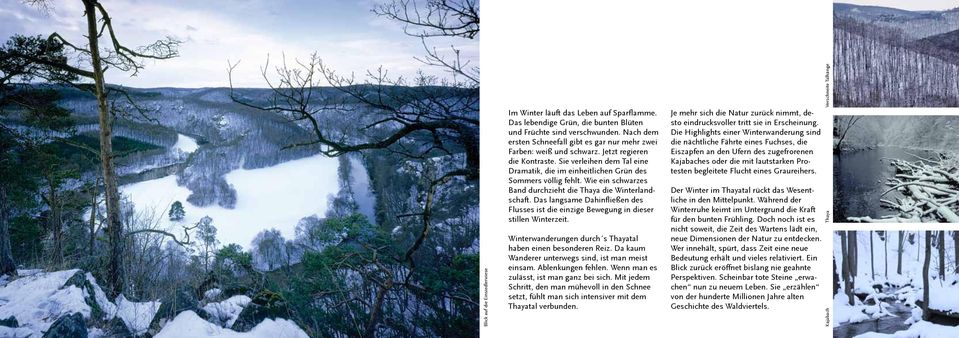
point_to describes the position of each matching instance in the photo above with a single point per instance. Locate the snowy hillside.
(72, 301)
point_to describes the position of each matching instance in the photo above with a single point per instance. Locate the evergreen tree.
(176, 211)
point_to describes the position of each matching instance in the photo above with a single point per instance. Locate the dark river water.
(888, 324)
(859, 178)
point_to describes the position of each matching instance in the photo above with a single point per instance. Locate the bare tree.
(846, 275)
(842, 125)
(113, 55)
(955, 240)
(431, 18)
(942, 255)
(885, 250)
(872, 260)
(902, 242)
(854, 253)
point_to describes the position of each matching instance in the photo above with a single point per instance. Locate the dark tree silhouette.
(115, 55)
(176, 211)
(925, 275)
(847, 276)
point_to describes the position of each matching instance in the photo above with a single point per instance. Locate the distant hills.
(890, 57)
(916, 24)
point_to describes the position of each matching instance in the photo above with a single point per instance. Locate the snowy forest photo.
(891, 57)
(895, 283)
(895, 169)
(265, 169)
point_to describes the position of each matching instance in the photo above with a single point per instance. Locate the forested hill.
(888, 57)
(916, 24)
(939, 133)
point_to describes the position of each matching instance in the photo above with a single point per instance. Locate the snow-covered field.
(274, 197)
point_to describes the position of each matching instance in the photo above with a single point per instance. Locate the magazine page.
(667, 168)
(239, 168)
(312, 168)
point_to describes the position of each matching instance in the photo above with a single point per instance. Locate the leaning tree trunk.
(925, 276)
(115, 273)
(846, 276)
(7, 266)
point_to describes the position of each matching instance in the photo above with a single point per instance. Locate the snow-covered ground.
(39, 299)
(273, 197)
(185, 144)
(189, 324)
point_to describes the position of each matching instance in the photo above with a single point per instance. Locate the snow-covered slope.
(273, 197)
(189, 324)
(41, 298)
(38, 300)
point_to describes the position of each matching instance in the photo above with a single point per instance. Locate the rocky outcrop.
(69, 326)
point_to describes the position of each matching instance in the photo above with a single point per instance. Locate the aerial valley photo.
(239, 168)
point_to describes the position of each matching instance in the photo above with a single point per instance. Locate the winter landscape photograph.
(896, 53)
(244, 168)
(895, 283)
(896, 169)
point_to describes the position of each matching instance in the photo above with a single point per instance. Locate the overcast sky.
(344, 33)
(913, 5)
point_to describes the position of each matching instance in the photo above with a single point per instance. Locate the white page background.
(652, 55)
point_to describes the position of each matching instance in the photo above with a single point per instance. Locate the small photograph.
(895, 283)
(896, 53)
(895, 169)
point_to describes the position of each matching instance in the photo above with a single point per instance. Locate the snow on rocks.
(189, 324)
(922, 329)
(844, 313)
(16, 332)
(38, 300)
(136, 315)
(226, 312)
(212, 294)
(41, 298)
